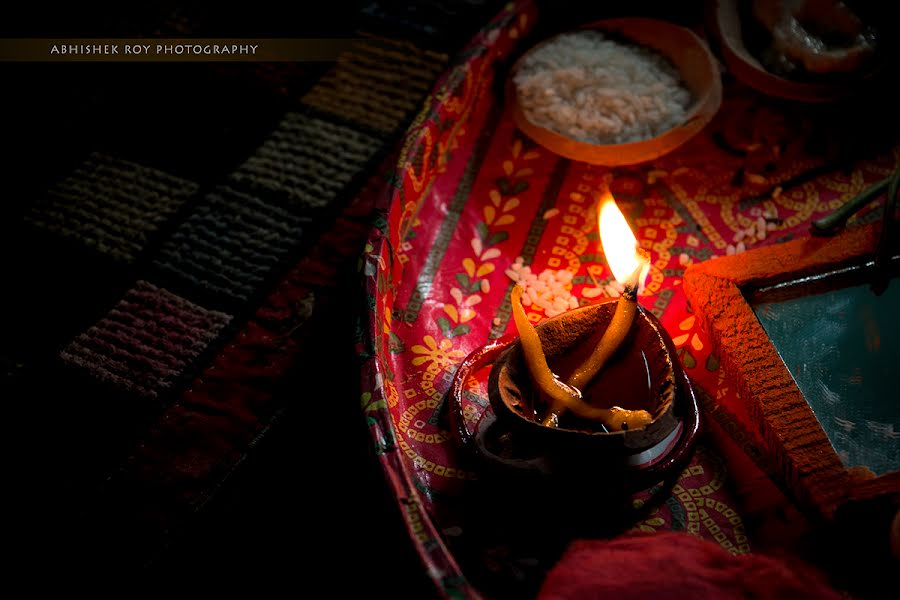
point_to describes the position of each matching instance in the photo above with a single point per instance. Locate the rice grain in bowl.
(616, 92)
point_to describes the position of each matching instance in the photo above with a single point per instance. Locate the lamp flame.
(619, 244)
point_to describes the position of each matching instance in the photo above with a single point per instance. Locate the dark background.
(309, 507)
(309, 504)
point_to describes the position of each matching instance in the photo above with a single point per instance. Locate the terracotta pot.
(511, 437)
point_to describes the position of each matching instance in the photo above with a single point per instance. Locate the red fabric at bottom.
(677, 566)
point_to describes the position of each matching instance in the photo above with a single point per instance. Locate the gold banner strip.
(172, 50)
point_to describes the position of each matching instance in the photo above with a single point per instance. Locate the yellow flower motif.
(457, 295)
(393, 396)
(386, 321)
(484, 269)
(451, 312)
(686, 325)
(466, 314)
(480, 253)
(443, 354)
(651, 523)
(469, 266)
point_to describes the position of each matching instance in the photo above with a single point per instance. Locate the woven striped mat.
(171, 240)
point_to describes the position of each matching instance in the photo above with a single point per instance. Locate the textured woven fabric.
(112, 205)
(377, 83)
(177, 236)
(147, 341)
(230, 242)
(306, 162)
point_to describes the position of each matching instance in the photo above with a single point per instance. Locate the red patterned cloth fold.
(677, 566)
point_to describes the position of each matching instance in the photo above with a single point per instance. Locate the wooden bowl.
(690, 56)
(725, 22)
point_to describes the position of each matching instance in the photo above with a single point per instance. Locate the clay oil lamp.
(593, 392)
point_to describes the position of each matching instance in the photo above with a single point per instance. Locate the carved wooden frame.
(719, 292)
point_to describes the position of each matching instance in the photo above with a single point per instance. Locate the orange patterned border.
(789, 428)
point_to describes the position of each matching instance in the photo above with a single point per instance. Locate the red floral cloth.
(471, 194)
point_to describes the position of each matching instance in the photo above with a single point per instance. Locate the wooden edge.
(793, 259)
(777, 406)
(788, 425)
(886, 485)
